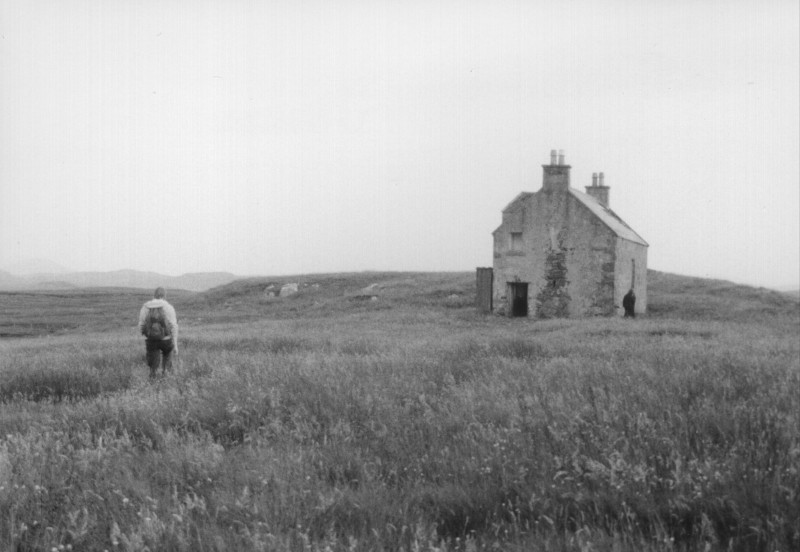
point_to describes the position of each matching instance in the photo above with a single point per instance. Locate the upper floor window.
(515, 241)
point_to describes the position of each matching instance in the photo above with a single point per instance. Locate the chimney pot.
(598, 189)
(556, 174)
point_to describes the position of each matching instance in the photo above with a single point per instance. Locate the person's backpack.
(155, 324)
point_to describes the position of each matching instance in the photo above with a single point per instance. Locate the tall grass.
(408, 430)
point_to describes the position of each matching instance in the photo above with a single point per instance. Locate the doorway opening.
(518, 297)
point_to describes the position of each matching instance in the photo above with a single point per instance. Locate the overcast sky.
(285, 137)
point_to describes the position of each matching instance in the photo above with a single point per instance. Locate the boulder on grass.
(288, 289)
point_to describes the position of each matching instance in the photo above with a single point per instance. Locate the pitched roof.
(606, 215)
(609, 217)
(520, 197)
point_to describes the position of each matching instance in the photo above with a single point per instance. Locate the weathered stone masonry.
(574, 255)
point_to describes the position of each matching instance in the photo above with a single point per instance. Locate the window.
(516, 242)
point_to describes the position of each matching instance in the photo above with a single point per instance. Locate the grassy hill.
(71, 311)
(670, 296)
(380, 411)
(41, 312)
(325, 295)
(689, 298)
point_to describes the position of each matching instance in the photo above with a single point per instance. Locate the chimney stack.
(556, 174)
(598, 189)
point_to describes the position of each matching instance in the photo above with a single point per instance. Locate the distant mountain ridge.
(198, 281)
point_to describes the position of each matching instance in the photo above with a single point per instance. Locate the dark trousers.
(629, 311)
(159, 352)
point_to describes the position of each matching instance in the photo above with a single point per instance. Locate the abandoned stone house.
(560, 252)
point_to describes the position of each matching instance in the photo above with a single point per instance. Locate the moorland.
(380, 411)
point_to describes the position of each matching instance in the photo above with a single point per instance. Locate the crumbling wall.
(553, 300)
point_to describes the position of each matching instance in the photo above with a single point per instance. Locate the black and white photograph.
(400, 275)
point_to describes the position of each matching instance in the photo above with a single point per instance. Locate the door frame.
(517, 293)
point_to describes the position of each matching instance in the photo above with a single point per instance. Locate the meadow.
(332, 421)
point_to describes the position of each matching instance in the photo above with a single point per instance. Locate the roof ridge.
(603, 212)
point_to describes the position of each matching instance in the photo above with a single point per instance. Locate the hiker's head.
(160, 293)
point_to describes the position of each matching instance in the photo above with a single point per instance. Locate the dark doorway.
(518, 293)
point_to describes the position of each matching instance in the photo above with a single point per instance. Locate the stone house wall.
(567, 256)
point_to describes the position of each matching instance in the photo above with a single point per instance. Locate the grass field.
(330, 420)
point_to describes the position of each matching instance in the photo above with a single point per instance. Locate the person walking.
(159, 324)
(629, 304)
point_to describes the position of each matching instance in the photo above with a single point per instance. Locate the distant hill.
(118, 279)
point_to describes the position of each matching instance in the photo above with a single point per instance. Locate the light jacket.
(169, 314)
